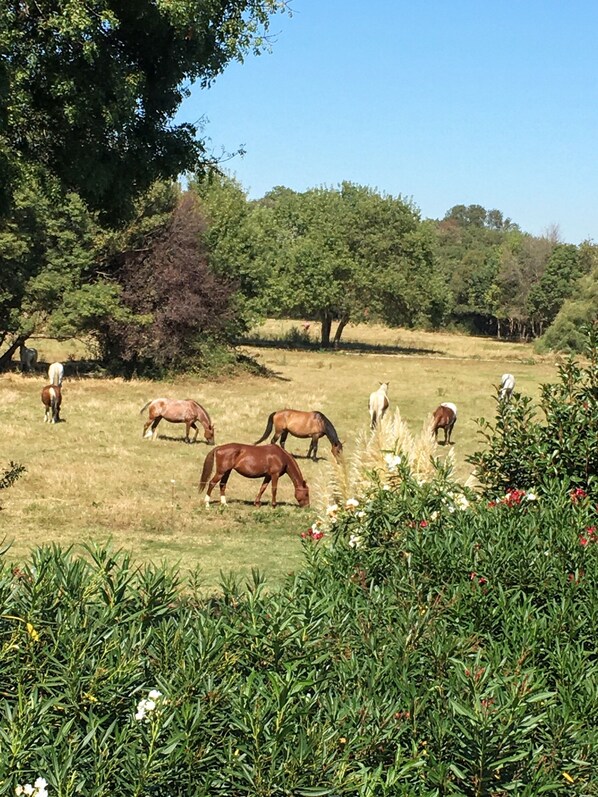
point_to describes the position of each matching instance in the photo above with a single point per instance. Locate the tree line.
(97, 238)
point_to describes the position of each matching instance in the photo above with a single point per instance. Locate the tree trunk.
(326, 327)
(339, 331)
(7, 356)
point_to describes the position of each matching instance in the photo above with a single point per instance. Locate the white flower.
(386, 487)
(531, 497)
(332, 509)
(351, 503)
(154, 694)
(28, 789)
(355, 540)
(19, 789)
(360, 514)
(392, 461)
(451, 509)
(140, 714)
(462, 502)
(433, 515)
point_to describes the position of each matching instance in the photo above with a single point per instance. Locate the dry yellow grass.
(93, 478)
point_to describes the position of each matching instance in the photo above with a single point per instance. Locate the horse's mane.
(329, 429)
(203, 409)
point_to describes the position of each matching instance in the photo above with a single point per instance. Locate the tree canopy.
(89, 89)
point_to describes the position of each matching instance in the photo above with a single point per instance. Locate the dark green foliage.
(526, 445)
(92, 88)
(427, 648)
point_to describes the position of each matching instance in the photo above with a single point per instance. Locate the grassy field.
(93, 478)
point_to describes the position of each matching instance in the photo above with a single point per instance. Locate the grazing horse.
(56, 374)
(445, 417)
(270, 462)
(185, 411)
(302, 424)
(28, 358)
(52, 399)
(507, 385)
(378, 404)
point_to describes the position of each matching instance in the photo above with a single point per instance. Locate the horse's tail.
(269, 426)
(145, 406)
(207, 470)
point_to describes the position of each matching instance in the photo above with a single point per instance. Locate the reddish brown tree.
(180, 305)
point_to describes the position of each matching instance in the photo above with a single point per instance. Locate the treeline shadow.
(351, 346)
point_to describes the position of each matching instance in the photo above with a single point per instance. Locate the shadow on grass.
(351, 346)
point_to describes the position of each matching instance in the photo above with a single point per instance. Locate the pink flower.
(578, 494)
(423, 524)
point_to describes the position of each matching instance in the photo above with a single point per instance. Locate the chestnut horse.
(270, 462)
(445, 417)
(302, 424)
(185, 411)
(52, 399)
(378, 404)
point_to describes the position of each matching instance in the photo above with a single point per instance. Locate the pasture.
(92, 478)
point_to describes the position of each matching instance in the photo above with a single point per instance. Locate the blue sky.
(441, 102)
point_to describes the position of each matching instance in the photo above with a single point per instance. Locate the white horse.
(378, 404)
(507, 384)
(28, 358)
(56, 374)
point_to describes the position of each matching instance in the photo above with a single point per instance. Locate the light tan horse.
(185, 411)
(270, 462)
(56, 374)
(378, 404)
(302, 424)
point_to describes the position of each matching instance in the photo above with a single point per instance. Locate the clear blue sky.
(442, 102)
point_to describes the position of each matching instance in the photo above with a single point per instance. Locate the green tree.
(89, 88)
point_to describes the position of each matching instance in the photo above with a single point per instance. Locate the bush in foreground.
(432, 645)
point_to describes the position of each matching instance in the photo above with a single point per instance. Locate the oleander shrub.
(530, 444)
(433, 644)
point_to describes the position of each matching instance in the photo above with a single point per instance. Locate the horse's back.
(300, 423)
(56, 373)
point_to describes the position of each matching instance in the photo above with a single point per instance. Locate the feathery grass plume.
(350, 477)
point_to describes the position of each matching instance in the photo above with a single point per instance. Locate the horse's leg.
(283, 437)
(223, 483)
(211, 484)
(155, 423)
(194, 426)
(265, 483)
(314, 446)
(274, 486)
(146, 426)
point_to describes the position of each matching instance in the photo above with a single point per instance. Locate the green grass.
(93, 478)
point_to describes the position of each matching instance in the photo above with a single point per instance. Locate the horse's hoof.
(223, 500)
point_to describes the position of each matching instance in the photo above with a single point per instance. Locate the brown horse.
(178, 411)
(52, 399)
(270, 462)
(302, 424)
(445, 417)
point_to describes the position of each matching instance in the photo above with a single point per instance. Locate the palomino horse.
(445, 418)
(56, 374)
(378, 404)
(52, 399)
(270, 462)
(185, 411)
(28, 357)
(302, 424)
(507, 385)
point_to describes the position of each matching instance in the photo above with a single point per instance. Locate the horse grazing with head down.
(445, 417)
(302, 424)
(52, 399)
(185, 411)
(28, 357)
(268, 462)
(56, 374)
(507, 385)
(378, 404)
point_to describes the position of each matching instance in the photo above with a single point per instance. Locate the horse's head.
(337, 449)
(209, 434)
(302, 494)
